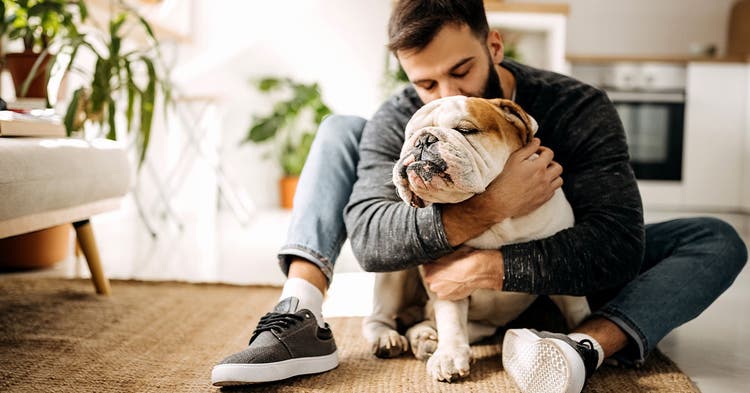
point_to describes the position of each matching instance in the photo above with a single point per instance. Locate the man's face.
(455, 62)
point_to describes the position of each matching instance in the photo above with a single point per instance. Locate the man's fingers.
(557, 183)
(527, 151)
(554, 170)
(545, 155)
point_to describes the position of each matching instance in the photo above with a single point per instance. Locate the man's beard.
(493, 89)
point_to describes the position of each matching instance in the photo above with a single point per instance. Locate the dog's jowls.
(454, 148)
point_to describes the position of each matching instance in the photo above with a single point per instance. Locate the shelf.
(680, 59)
(551, 8)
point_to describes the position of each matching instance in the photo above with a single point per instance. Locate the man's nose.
(449, 89)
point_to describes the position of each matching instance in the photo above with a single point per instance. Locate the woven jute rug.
(57, 336)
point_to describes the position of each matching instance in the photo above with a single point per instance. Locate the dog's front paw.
(449, 364)
(390, 344)
(423, 340)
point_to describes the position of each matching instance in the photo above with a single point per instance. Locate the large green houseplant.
(121, 84)
(38, 24)
(290, 127)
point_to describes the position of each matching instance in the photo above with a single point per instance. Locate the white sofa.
(48, 182)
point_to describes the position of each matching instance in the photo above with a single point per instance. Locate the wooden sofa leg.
(86, 240)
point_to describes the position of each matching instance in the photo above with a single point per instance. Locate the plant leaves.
(264, 128)
(268, 84)
(148, 99)
(283, 124)
(2, 17)
(115, 24)
(101, 88)
(111, 113)
(148, 28)
(132, 92)
(82, 10)
(70, 114)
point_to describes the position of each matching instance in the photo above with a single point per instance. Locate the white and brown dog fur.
(454, 148)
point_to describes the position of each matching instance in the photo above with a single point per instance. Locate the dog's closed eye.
(466, 131)
(466, 127)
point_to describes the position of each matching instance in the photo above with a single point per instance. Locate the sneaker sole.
(540, 365)
(231, 374)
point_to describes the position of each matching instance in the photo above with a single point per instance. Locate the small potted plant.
(37, 23)
(291, 126)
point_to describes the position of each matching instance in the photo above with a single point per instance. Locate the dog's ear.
(518, 117)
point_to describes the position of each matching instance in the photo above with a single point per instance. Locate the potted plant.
(291, 126)
(122, 83)
(37, 23)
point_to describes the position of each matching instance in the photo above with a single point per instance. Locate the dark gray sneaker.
(287, 342)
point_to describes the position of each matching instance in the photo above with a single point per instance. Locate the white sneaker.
(543, 362)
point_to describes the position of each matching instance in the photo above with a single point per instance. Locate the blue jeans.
(688, 263)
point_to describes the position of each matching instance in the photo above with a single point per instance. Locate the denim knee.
(726, 242)
(340, 131)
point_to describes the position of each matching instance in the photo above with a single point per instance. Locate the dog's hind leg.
(574, 308)
(480, 331)
(423, 339)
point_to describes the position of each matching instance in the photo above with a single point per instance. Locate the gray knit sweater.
(578, 122)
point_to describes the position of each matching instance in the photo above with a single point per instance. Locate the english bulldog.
(454, 148)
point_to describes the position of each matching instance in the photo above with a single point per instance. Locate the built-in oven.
(650, 99)
(654, 124)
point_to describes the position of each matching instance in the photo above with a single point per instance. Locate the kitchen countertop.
(680, 59)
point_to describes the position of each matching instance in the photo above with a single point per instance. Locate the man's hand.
(529, 179)
(456, 276)
(526, 183)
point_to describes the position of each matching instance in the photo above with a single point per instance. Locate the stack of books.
(22, 119)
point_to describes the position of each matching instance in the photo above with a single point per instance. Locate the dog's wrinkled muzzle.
(423, 168)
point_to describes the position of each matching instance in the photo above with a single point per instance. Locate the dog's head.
(456, 146)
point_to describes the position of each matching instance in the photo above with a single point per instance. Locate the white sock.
(581, 336)
(309, 297)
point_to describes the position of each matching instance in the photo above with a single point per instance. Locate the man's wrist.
(482, 206)
(469, 219)
(490, 269)
(499, 264)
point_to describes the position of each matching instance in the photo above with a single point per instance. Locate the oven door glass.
(654, 132)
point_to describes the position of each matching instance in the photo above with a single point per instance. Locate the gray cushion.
(38, 175)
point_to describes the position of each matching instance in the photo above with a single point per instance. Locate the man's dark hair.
(414, 23)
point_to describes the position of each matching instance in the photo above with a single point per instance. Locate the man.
(638, 293)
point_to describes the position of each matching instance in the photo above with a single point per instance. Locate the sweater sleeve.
(605, 247)
(387, 234)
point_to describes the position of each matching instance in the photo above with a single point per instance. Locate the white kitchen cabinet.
(715, 169)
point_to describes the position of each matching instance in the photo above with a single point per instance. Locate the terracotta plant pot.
(287, 187)
(20, 65)
(35, 250)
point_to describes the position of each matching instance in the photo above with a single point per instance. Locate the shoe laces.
(275, 322)
(587, 342)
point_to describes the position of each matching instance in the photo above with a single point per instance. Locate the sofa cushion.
(39, 175)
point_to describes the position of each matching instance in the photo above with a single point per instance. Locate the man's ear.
(517, 116)
(495, 46)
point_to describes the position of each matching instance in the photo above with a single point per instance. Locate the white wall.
(338, 43)
(643, 27)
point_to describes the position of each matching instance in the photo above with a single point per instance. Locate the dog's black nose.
(426, 140)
